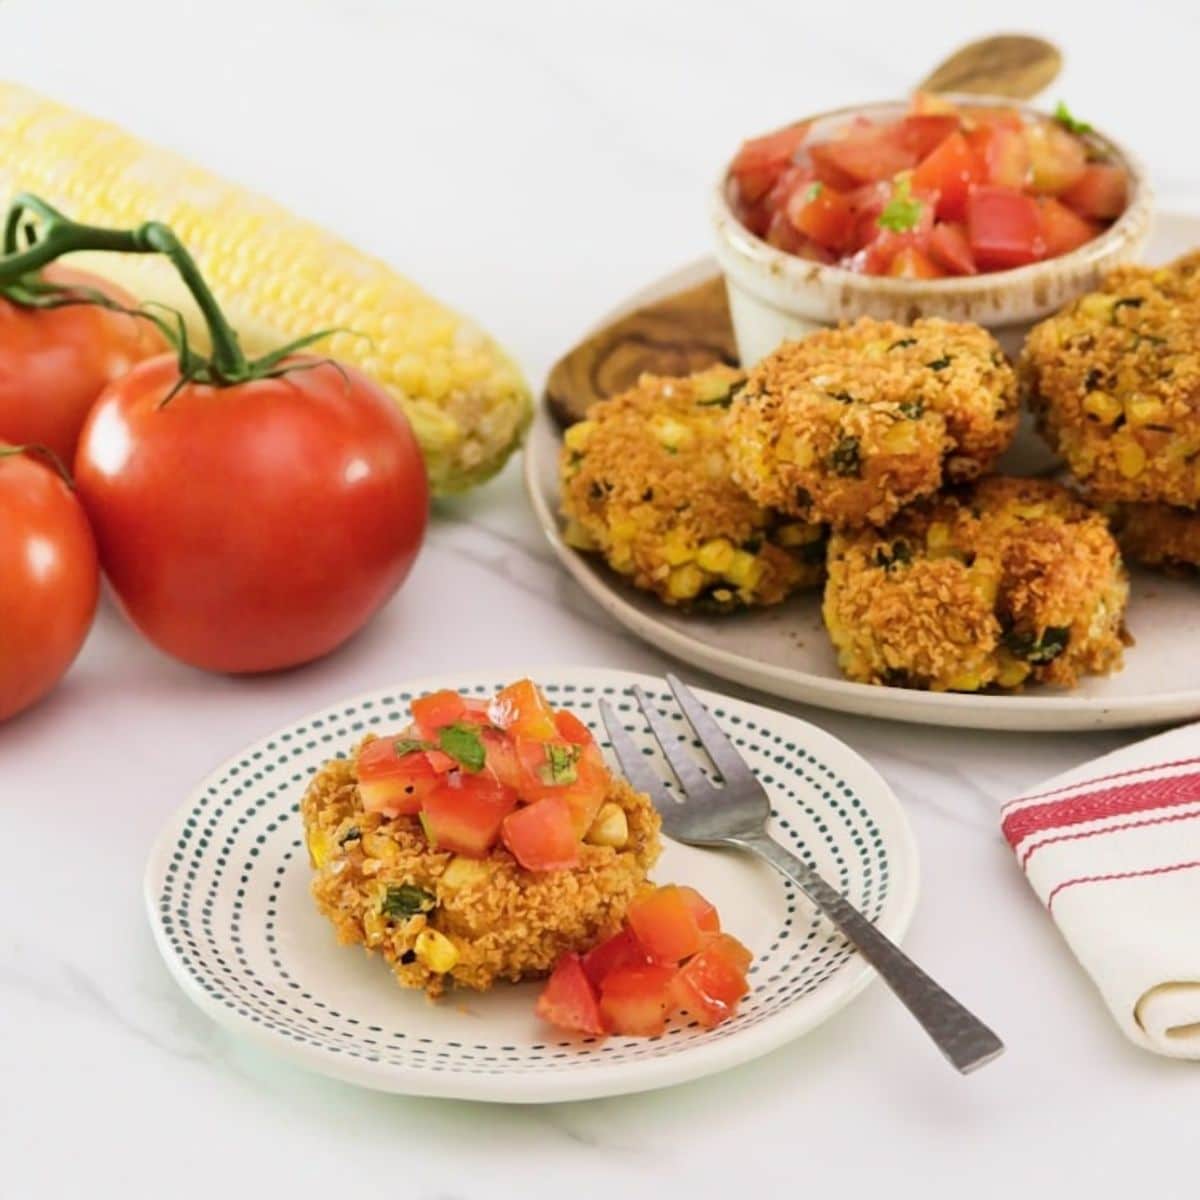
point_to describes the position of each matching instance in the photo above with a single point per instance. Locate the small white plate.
(785, 651)
(227, 893)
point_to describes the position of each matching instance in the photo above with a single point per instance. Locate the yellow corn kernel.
(461, 872)
(377, 845)
(876, 348)
(745, 570)
(685, 582)
(1012, 672)
(902, 437)
(575, 535)
(986, 582)
(319, 848)
(670, 433)
(937, 537)
(1096, 305)
(798, 533)
(795, 450)
(577, 435)
(715, 555)
(1131, 458)
(435, 951)
(968, 681)
(610, 828)
(1102, 406)
(677, 549)
(1144, 410)
(623, 529)
(374, 926)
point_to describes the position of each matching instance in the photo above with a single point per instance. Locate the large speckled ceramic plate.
(227, 893)
(786, 652)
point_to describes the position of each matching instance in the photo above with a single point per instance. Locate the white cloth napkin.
(1113, 851)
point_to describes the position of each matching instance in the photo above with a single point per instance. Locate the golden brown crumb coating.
(1157, 535)
(646, 483)
(503, 922)
(849, 425)
(1114, 380)
(1006, 582)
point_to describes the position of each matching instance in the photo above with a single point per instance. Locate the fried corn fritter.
(646, 483)
(1114, 380)
(440, 918)
(849, 425)
(1157, 535)
(1003, 583)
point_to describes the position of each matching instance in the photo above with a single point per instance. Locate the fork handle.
(964, 1039)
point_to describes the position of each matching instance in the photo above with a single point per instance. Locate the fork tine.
(687, 770)
(633, 762)
(717, 745)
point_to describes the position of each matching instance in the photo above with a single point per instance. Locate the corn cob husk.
(277, 278)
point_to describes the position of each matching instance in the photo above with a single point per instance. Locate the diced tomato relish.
(938, 191)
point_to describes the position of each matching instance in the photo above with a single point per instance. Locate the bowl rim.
(757, 254)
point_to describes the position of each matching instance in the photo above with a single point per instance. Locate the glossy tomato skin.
(55, 362)
(253, 527)
(49, 581)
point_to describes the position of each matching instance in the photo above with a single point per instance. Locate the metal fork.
(735, 814)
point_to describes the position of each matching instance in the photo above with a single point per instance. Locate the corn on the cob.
(277, 277)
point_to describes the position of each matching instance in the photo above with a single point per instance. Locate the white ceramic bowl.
(774, 296)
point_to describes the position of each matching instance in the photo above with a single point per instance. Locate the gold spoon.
(1015, 65)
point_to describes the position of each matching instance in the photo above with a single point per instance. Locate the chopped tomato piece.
(705, 913)
(396, 783)
(949, 248)
(822, 214)
(1100, 191)
(864, 155)
(710, 984)
(911, 263)
(621, 950)
(931, 102)
(1004, 228)
(437, 710)
(921, 133)
(634, 1000)
(992, 117)
(665, 924)
(949, 170)
(569, 1000)
(572, 729)
(541, 836)
(1056, 158)
(521, 710)
(1005, 155)
(729, 947)
(1064, 230)
(760, 160)
(465, 813)
(783, 235)
(502, 760)
(826, 170)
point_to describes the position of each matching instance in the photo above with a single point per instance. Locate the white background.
(532, 164)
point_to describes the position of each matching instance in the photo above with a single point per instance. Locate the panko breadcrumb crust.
(505, 922)
(1114, 380)
(646, 484)
(849, 425)
(1157, 535)
(1010, 581)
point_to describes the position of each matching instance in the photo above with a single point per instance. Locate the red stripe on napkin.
(1070, 787)
(1082, 879)
(1107, 802)
(1087, 833)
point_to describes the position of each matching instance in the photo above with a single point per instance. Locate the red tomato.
(827, 171)
(49, 581)
(502, 759)
(521, 710)
(709, 985)
(911, 263)
(995, 118)
(949, 170)
(665, 924)
(621, 950)
(931, 102)
(437, 710)
(922, 133)
(55, 362)
(582, 781)
(569, 1001)
(1004, 153)
(705, 913)
(949, 248)
(1056, 158)
(572, 729)
(1101, 191)
(783, 235)
(1004, 228)
(465, 813)
(1062, 229)
(760, 160)
(863, 155)
(394, 783)
(252, 527)
(824, 215)
(634, 1000)
(541, 836)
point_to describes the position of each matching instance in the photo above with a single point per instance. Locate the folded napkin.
(1113, 850)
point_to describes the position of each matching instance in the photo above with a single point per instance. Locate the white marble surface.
(533, 163)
